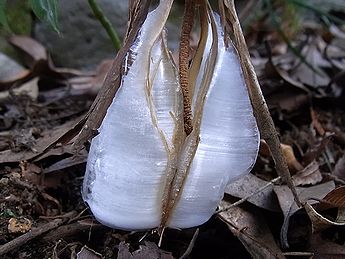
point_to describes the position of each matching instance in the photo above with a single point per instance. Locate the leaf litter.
(41, 211)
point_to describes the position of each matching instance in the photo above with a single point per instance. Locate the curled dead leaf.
(335, 198)
(289, 206)
(310, 175)
(320, 222)
(291, 160)
(251, 229)
(19, 225)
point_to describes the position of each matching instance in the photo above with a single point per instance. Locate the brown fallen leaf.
(252, 230)
(39, 147)
(88, 253)
(247, 186)
(33, 49)
(149, 250)
(335, 198)
(289, 206)
(19, 225)
(313, 54)
(291, 160)
(316, 150)
(31, 172)
(90, 84)
(316, 123)
(339, 168)
(319, 222)
(325, 249)
(273, 69)
(67, 162)
(310, 175)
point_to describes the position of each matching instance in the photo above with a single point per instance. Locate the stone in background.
(84, 42)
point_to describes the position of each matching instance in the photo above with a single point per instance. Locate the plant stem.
(187, 25)
(114, 37)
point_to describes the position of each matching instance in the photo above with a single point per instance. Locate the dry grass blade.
(261, 112)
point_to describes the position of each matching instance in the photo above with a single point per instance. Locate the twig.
(250, 195)
(299, 254)
(261, 112)
(34, 233)
(191, 245)
(68, 230)
(114, 37)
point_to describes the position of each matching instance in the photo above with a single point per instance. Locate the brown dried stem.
(261, 111)
(187, 25)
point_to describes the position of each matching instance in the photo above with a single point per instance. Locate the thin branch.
(191, 245)
(250, 195)
(114, 37)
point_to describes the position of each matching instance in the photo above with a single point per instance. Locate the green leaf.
(46, 10)
(3, 18)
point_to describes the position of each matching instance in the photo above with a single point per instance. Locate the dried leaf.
(318, 221)
(310, 175)
(316, 123)
(274, 70)
(288, 100)
(313, 56)
(325, 249)
(249, 184)
(29, 88)
(31, 172)
(315, 151)
(339, 168)
(19, 225)
(90, 83)
(67, 162)
(335, 198)
(38, 148)
(33, 49)
(289, 206)
(291, 160)
(88, 253)
(252, 230)
(149, 250)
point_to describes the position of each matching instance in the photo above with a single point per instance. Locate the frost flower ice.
(143, 170)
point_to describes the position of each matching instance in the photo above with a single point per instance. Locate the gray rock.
(83, 42)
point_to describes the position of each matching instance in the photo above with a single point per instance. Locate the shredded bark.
(187, 25)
